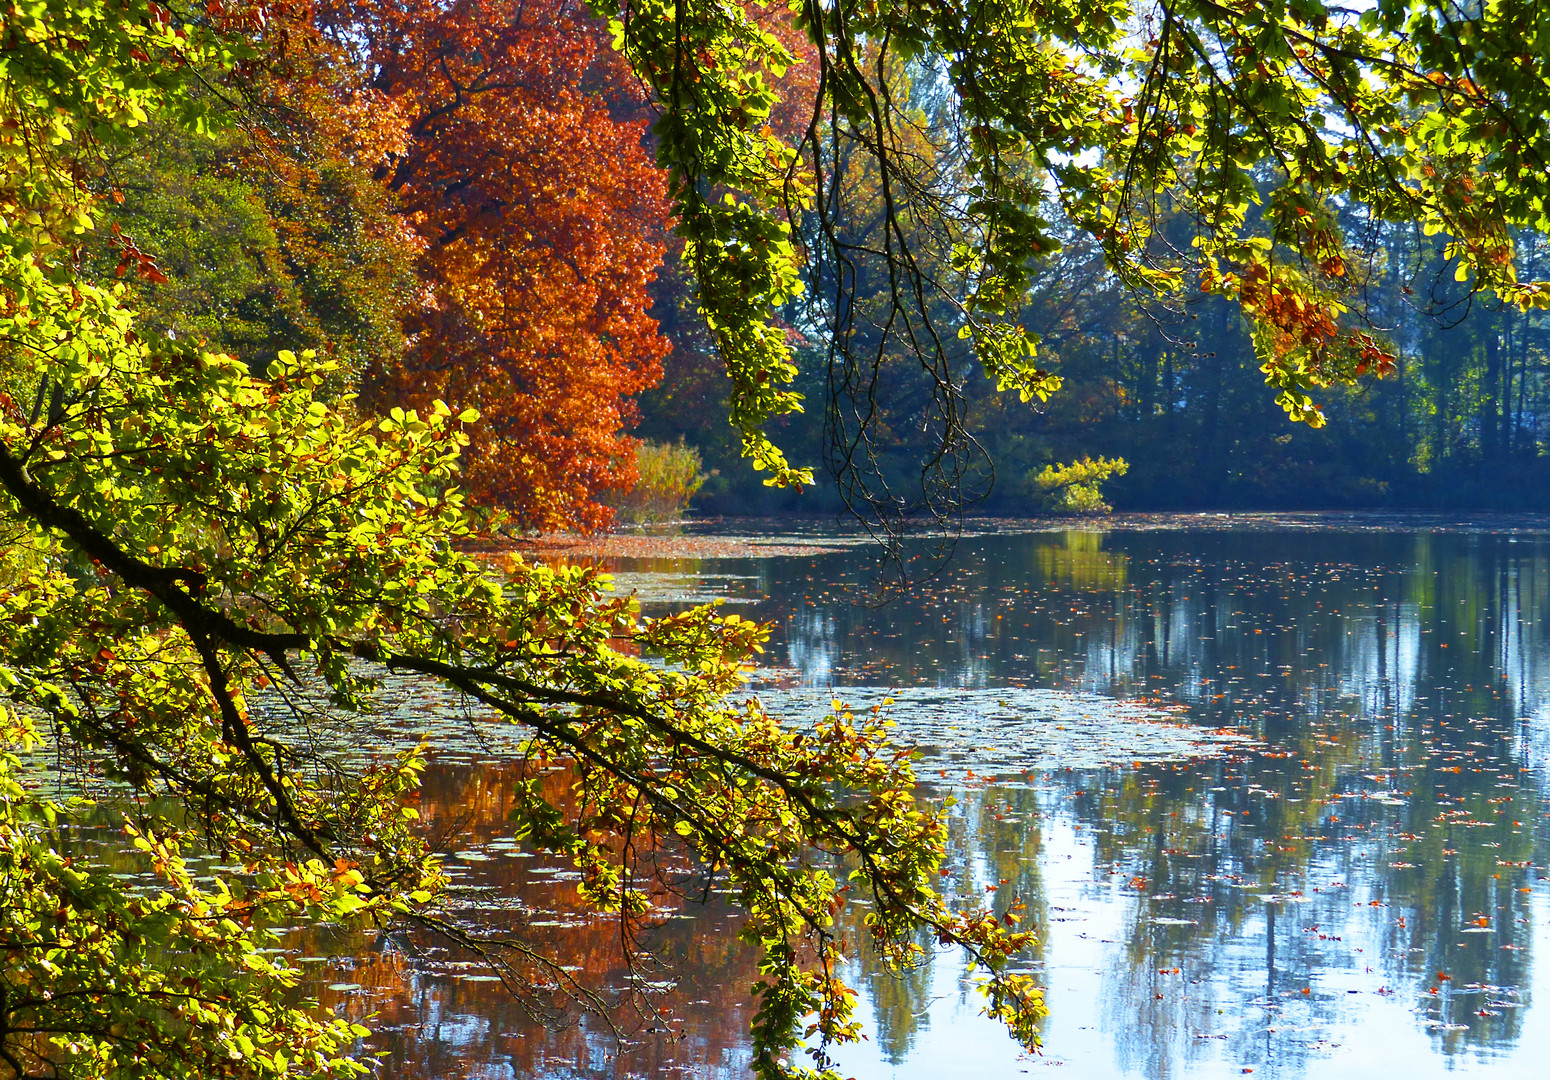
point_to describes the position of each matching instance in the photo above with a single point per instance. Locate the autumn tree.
(208, 574)
(543, 221)
(207, 566)
(273, 232)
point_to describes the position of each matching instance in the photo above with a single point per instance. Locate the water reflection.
(1360, 889)
(440, 1014)
(1371, 877)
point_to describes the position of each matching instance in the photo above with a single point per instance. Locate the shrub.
(1073, 488)
(670, 474)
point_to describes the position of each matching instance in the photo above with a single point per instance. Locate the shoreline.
(767, 537)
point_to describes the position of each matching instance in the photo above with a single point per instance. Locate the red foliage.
(544, 222)
(1301, 321)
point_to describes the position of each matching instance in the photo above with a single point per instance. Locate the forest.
(306, 306)
(570, 323)
(1176, 390)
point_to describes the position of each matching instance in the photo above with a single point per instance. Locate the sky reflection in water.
(1360, 892)
(1363, 892)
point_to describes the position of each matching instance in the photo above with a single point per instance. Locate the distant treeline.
(1462, 423)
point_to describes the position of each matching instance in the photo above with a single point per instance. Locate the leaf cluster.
(210, 568)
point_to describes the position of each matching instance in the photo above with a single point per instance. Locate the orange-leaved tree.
(543, 221)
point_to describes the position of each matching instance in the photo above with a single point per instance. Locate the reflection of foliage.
(994, 849)
(1273, 826)
(900, 999)
(1079, 562)
(1389, 806)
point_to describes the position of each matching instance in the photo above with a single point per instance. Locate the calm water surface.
(1337, 870)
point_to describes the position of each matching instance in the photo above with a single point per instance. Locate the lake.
(1273, 790)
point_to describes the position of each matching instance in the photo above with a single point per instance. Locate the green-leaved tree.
(204, 561)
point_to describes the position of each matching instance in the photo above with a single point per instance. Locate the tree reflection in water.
(1386, 839)
(1361, 888)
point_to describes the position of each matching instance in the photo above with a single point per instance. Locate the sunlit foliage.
(209, 567)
